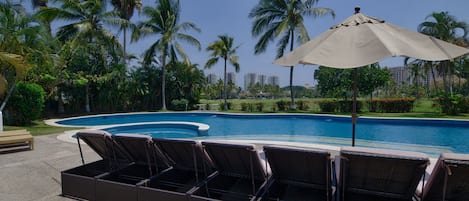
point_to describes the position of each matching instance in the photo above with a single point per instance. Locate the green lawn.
(40, 128)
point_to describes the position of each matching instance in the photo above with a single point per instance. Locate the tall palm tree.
(223, 48)
(20, 37)
(446, 27)
(283, 19)
(163, 20)
(126, 10)
(86, 31)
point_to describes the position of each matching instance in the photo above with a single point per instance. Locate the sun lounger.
(191, 165)
(379, 174)
(241, 174)
(147, 161)
(449, 180)
(80, 182)
(16, 138)
(298, 174)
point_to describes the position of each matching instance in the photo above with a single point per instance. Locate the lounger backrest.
(240, 160)
(380, 172)
(103, 144)
(142, 149)
(300, 166)
(449, 179)
(182, 153)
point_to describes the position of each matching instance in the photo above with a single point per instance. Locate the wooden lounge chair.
(16, 138)
(379, 174)
(449, 180)
(80, 182)
(298, 174)
(241, 174)
(147, 161)
(190, 166)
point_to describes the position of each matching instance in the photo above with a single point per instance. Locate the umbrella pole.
(354, 105)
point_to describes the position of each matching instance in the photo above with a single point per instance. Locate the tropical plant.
(223, 48)
(126, 10)
(94, 46)
(284, 19)
(163, 20)
(446, 27)
(20, 39)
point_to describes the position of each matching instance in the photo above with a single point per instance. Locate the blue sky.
(216, 17)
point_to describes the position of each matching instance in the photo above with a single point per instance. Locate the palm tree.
(126, 10)
(284, 19)
(223, 48)
(163, 20)
(446, 27)
(87, 33)
(20, 39)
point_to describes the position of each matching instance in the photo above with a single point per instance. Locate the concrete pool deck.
(35, 175)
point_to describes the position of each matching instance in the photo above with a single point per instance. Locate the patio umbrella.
(361, 40)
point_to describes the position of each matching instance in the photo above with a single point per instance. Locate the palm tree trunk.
(433, 76)
(10, 91)
(87, 98)
(124, 57)
(225, 105)
(163, 83)
(292, 97)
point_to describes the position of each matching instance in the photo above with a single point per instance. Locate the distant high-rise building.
(249, 79)
(262, 79)
(273, 80)
(231, 78)
(400, 75)
(212, 78)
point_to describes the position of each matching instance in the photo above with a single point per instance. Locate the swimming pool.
(431, 136)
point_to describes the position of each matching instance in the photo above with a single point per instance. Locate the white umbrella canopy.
(361, 40)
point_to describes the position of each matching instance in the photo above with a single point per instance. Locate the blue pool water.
(421, 135)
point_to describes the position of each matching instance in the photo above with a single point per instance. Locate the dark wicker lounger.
(240, 175)
(298, 174)
(449, 179)
(148, 161)
(191, 165)
(80, 182)
(379, 174)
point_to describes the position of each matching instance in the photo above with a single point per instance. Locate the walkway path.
(35, 175)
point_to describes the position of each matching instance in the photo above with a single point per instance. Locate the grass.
(40, 128)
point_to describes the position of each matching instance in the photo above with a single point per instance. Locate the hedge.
(391, 105)
(331, 106)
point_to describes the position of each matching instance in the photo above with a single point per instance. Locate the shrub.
(331, 106)
(453, 105)
(244, 107)
(26, 104)
(228, 104)
(282, 105)
(179, 105)
(259, 106)
(302, 105)
(392, 105)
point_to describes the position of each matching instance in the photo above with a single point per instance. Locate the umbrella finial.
(357, 9)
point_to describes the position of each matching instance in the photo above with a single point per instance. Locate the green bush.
(392, 105)
(244, 107)
(453, 105)
(331, 106)
(179, 105)
(259, 106)
(26, 104)
(228, 104)
(302, 105)
(282, 105)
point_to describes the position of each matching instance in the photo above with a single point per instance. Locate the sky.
(217, 17)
